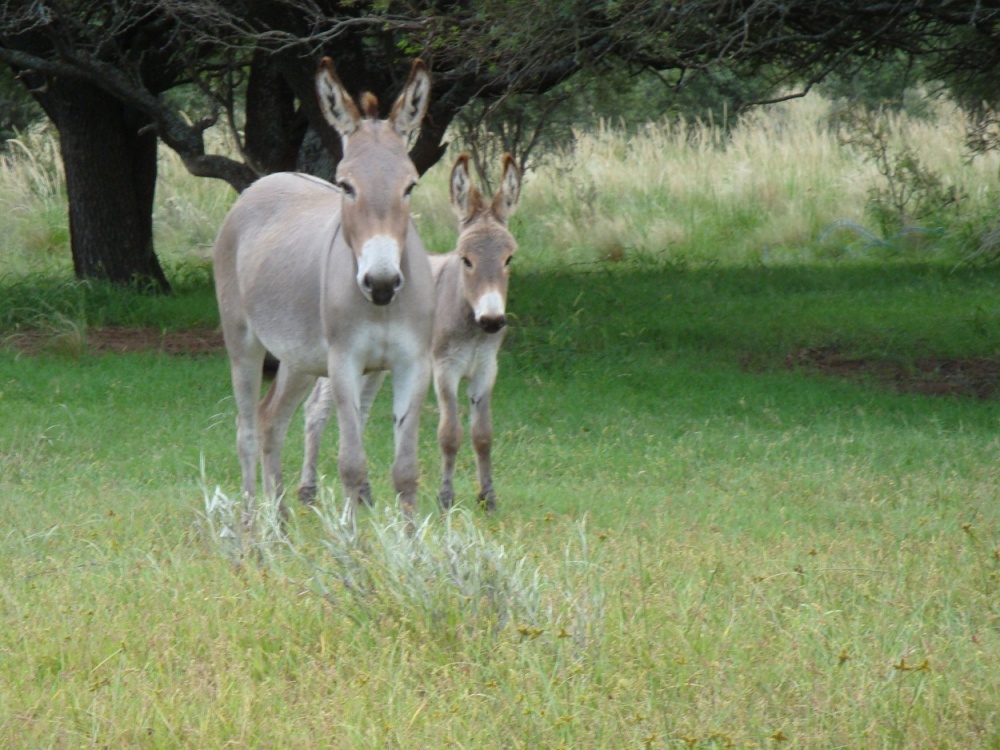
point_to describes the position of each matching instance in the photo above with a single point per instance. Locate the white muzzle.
(490, 313)
(379, 276)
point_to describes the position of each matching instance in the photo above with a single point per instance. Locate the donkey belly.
(284, 309)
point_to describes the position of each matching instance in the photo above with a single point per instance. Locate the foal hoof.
(446, 498)
(307, 494)
(488, 500)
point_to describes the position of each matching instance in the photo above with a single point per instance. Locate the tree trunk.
(274, 129)
(109, 155)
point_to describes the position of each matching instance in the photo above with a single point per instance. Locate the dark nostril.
(493, 323)
(397, 282)
(382, 295)
(367, 282)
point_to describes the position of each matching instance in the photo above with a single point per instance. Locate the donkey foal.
(469, 319)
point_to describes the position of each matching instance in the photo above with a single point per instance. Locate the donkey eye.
(409, 189)
(466, 262)
(509, 259)
(347, 187)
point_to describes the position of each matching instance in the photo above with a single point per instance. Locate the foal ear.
(505, 201)
(337, 105)
(411, 106)
(461, 189)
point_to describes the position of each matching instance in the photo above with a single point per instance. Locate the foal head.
(485, 246)
(375, 174)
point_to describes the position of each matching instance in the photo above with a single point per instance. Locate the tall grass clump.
(445, 578)
(35, 236)
(188, 210)
(35, 239)
(223, 526)
(447, 575)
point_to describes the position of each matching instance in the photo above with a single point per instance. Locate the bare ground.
(975, 377)
(117, 340)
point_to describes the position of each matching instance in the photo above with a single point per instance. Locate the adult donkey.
(333, 282)
(469, 319)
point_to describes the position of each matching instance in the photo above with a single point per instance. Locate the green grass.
(769, 553)
(38, 301)
(696, 545)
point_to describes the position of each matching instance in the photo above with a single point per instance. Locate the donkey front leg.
(345, 381)
(409, 389)
(449, 431)
(481, 419)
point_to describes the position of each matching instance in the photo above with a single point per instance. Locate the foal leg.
(276, 410)
(481, 419)
(449, 430)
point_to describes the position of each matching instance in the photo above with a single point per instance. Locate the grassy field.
(698, 544)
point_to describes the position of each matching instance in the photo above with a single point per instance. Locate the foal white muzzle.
(490, 313)
(379, 276)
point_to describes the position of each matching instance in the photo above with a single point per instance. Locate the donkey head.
(375, 175)
(484, 244)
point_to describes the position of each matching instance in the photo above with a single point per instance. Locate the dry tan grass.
(675, 189)
(689, 190)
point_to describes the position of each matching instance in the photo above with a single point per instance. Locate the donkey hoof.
(365, 495)
(488, 500)
(446, 498)
(307, 494)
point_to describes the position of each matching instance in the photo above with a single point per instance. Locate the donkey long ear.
(411, 106)
(464, 196)
(505, 201)
(337, 105)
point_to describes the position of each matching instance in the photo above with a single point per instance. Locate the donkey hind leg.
(317, 411)
(449, 432)
(369, 390)
(481, 423)
(276, 410)
(245, 369)
(409, 390)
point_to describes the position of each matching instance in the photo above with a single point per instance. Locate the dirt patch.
(117, 340)
(976, 377)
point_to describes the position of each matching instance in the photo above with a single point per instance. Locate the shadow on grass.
(921, 328)
(924, 326)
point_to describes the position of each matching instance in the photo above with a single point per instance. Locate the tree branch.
(184, 138)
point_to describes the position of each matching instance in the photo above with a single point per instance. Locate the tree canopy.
(254, 62)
